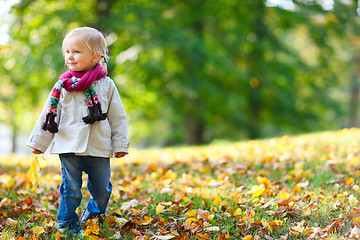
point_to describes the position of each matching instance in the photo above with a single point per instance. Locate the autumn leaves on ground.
(302, 187)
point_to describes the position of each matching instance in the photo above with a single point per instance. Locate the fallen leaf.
(257, 190)
(356, 221)
(12, 221)
(283, 195)
(165, 237)
(263, 180)
(237, 212)
(349, 181)
(249, 237)
(146, 221)
(212, 229)
(38, 230)
(159, 209)
(217, 201)
(191, 213)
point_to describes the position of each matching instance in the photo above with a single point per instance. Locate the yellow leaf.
(159, 209)
(299, 166)
(87, 232)
(175, 233)
(279, 222)
(356, 221)
(230, 209)
(257, 190)
(191, 213)
(217, 201)
(349, 180)
(190, 220)
(34, 170)
(249, 237)
(353, 200)
(250, 215)
(264, 223)
(94, 229)
(186, 199)
(294, 232)
(38, 230)
(237, 212)
(283, 195)
(273, 224)
(93, 237)
(146, 221)
(263, 180)
(58, 235)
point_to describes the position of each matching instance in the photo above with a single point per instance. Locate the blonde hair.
(91, 38)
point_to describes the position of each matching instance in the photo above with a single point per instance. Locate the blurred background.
(194, 71)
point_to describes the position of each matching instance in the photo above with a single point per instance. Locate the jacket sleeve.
(40, 139)
(117, 120)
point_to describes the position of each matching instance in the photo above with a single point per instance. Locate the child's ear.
(97, 56)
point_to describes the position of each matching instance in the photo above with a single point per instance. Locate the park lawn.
(291, 187)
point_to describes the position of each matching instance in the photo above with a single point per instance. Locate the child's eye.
(77, 52)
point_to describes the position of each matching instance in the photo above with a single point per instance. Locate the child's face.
(78, 57)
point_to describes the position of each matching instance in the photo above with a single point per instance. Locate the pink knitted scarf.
(82, 82)
(86, 78)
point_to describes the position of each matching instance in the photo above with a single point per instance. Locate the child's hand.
(120, 154)
(35, 151)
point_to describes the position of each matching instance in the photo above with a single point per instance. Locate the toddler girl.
(84, 122)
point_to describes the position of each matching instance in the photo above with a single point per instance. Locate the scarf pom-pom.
(90, 119)
(50, 124)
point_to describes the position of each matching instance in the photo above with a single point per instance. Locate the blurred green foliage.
(198, 70)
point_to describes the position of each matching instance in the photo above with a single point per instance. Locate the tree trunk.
(194, 130)
(103, 8)
(354, 84)
(14, 133)
(354, 104)
(255, 67)
(194, 120)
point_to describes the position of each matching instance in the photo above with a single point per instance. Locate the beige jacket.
(100, 139)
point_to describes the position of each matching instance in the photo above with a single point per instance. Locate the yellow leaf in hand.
(34, 170)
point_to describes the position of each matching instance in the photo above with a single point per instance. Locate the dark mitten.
(50, 124)
(98, 112)
(90, 119)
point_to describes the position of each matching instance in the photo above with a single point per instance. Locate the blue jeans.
(99, 186)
